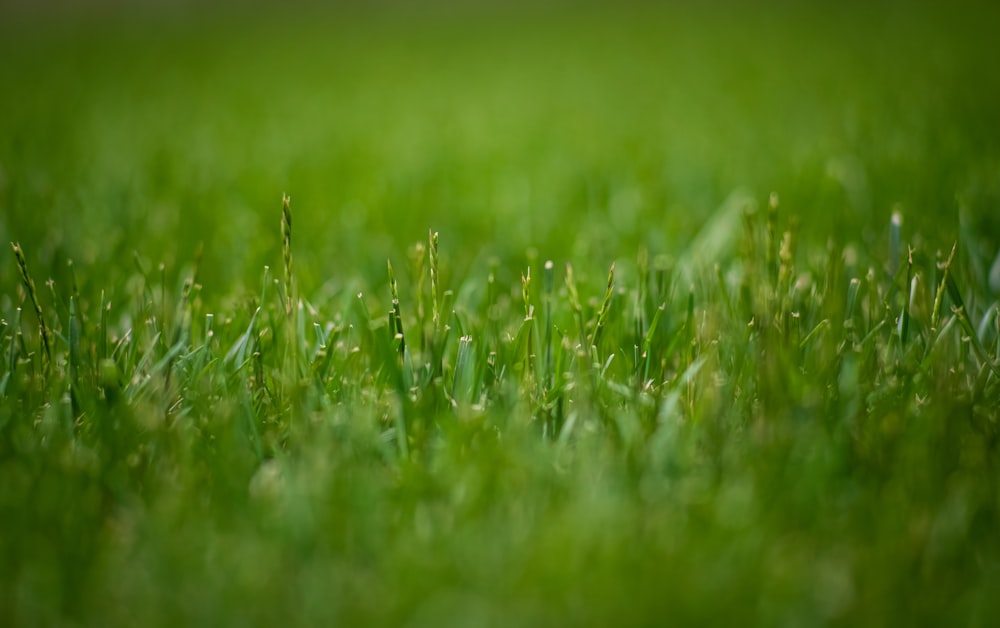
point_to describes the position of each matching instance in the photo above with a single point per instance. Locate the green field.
(758, 383)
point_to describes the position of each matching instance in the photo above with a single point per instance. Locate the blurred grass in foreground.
(776, 410)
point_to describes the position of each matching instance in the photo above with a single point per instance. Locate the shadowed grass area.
(619, 381)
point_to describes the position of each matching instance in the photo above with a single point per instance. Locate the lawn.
(660, 314)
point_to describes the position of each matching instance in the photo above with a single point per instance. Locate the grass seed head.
(29, 286)
(286, 248)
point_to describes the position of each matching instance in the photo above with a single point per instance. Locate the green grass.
(687, 316)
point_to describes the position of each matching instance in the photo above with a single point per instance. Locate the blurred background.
(557, 129)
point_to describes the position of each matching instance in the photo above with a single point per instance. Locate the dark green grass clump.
(793, 437)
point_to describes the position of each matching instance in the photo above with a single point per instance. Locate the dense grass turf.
(716, 405)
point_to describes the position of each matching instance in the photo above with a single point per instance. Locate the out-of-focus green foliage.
(777, 410)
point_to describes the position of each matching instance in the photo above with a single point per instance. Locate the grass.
(619, 380)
